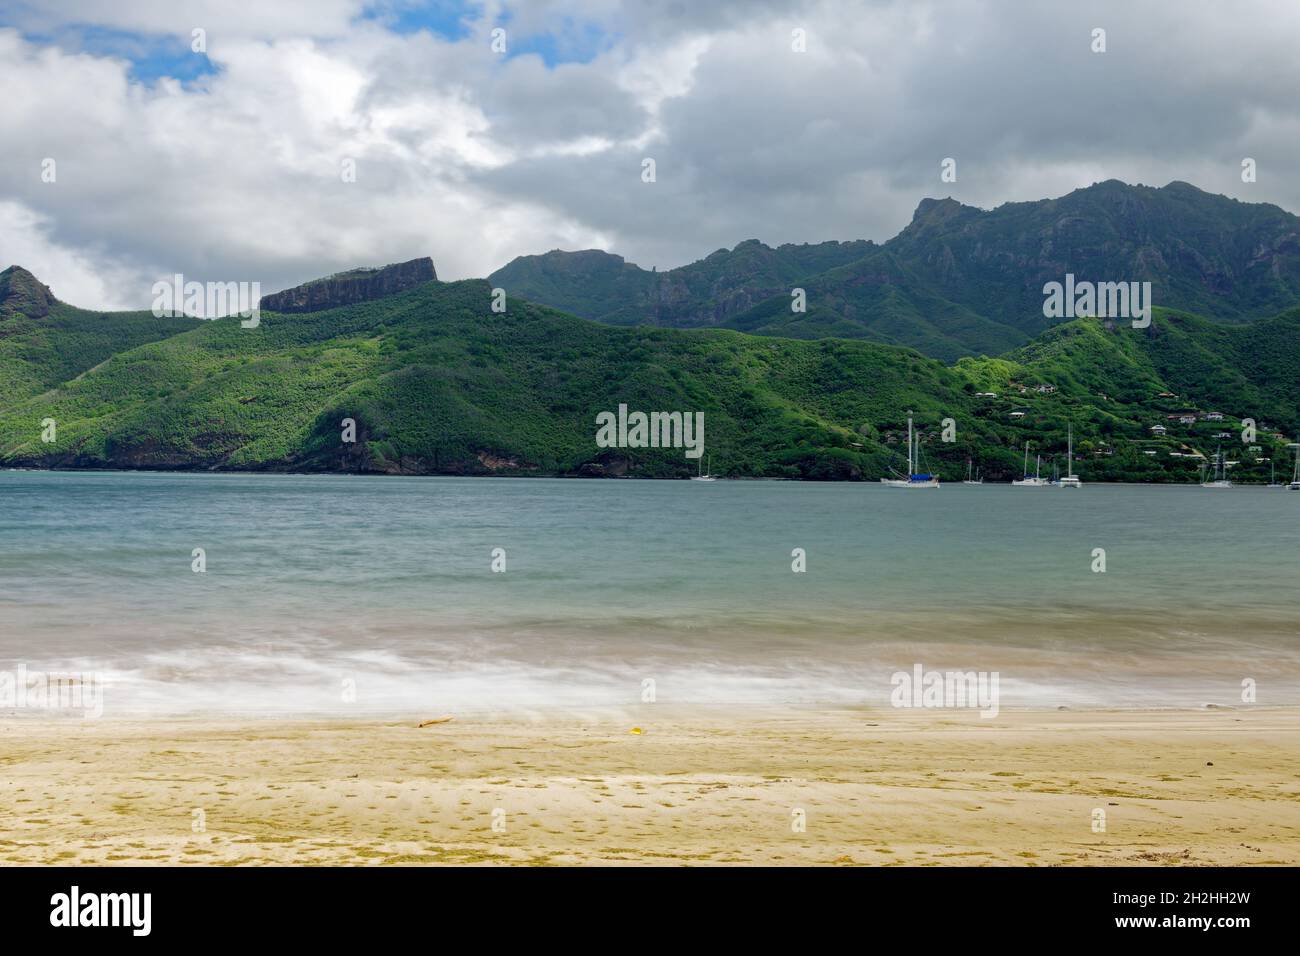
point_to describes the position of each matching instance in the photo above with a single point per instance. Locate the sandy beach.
(698, 787)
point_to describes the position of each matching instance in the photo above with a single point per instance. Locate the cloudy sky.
(227, 164)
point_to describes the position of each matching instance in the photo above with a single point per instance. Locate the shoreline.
(659, 784)
(874, 482)
(561, 713)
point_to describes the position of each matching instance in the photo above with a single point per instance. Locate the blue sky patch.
(568, 41)
(445, 18)
(151, 57)
(563, 39)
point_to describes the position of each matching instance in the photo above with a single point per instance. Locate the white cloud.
(241, 179)
(80, 276)
(474, 159)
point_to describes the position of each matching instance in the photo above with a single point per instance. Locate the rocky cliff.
(347, 288)
(20, 291)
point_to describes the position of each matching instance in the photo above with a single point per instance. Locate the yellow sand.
(881, 787)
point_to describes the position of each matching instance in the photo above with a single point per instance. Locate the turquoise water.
(387, 582)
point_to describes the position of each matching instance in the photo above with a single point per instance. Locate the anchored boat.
(914, 479)
(1036, 480)
(1220, 473)
(1070, 481)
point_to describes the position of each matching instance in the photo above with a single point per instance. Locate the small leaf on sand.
(437, 720)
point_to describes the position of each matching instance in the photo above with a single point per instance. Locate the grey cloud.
(531, 104)
(461, 154)
(844, 140)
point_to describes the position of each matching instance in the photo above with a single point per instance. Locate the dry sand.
(877, 787)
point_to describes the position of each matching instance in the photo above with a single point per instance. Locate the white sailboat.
(1037, 481)
(1220, 473)
(1070, 481)
(702, 476)
(913, 479)
(977, 480)
(1295, 476)
(1272, 475)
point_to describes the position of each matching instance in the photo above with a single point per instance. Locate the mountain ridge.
(984, 269)
(436, 382)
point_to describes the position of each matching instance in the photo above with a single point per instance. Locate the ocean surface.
(366, 595)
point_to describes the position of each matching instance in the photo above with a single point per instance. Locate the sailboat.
(702, 476)
(1037, 481)
(1220, 473)
(1272, 475)
(1070, 481)
(913, 479)
(1295, 476)
(969, 480)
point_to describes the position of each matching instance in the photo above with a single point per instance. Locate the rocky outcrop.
(20, 291)
(608, 464)
(356, 285)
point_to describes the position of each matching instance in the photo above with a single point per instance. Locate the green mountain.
(957, 280)
(600, 286)
(45, 342)
(882, 299)
(438, 383)
(1116, 384)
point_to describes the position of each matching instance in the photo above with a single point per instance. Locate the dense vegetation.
(43, 347)
(438, 383)
(600, 286)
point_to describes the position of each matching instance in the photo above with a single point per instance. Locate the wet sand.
(875, 787)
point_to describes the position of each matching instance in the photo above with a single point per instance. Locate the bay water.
(348, 595)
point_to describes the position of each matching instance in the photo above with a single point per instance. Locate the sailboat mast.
(1069, 453)
(911, 454)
